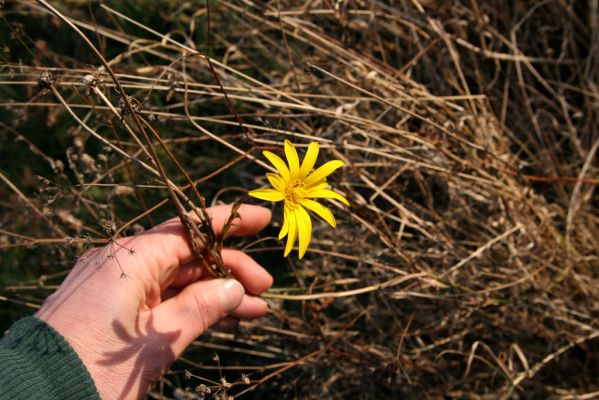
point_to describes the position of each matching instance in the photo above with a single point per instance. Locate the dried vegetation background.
(467, 265)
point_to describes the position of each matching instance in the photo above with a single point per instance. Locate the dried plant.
(466, 266)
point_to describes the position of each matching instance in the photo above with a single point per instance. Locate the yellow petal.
(285, 227)
(318, 186)
(320, 210)
(304, 229)
(326, 194)
(267, 194)
(276, 181)
(292, 159)
(291, 234)
(322, 172)
(278, 164)
(309, 160)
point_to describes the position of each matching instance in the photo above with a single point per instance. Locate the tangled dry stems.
(466, 266)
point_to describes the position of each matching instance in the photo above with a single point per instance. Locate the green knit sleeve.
(36, 362)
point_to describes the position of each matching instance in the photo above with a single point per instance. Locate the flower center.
(294, 193)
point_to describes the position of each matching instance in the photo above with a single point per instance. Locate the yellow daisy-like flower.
(297, 185)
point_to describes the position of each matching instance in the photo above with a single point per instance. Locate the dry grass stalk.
(466, 266)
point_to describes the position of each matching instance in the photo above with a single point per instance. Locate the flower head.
(298, 185)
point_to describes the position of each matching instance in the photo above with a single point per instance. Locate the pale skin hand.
(127, 331)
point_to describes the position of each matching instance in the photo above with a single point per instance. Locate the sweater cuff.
(36, 362)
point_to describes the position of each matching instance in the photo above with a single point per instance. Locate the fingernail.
(231, 293)
(258, 301)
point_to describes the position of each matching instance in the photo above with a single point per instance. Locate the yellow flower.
(297, 186)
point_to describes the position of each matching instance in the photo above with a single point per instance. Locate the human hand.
(127, 331)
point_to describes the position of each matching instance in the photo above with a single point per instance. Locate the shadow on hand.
(151, 350)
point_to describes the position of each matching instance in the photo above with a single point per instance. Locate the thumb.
(196, 308)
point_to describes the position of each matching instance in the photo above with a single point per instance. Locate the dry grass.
(467, 265)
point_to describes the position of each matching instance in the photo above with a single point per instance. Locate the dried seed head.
(245, 379)
(203, 389)
(46, 80)
(90, 81)
(87, 164)
(135, 106)
(224, 383)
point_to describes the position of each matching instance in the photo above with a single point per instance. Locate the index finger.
(167, 246)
